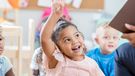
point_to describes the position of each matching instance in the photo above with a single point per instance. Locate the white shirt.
(37, 62)
(5, 65)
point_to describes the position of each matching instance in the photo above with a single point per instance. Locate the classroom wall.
(113, 6)
(85, 20)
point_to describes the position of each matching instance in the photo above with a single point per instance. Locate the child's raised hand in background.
(57, 7)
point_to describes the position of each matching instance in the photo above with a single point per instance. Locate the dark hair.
(61, 24)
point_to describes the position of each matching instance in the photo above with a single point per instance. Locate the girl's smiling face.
(71, 43)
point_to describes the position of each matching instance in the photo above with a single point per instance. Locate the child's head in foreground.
(68, 39)
(107, 38)
(1, 42)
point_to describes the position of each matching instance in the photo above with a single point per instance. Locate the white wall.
(24, 16)
(113, 6)
(83, 19)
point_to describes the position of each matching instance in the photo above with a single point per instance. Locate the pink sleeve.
(57, 69)
(96, 70)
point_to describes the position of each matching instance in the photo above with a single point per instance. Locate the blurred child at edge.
(5, 64)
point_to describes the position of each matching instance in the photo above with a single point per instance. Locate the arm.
(130, 36)
(47, 44)
(124, 60)
(10, 73)
(120, 68)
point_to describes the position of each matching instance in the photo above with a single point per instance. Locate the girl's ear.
(85, 49)
(96, 40)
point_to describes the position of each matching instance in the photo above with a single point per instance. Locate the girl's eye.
(77, 35)
(1, 39)
(115, 37)
(105, 37)
(67, 40)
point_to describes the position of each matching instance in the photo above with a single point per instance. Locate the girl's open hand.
(57, 7)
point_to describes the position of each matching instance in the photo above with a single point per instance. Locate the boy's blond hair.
(102, 27)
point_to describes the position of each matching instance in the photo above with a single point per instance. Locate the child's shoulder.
(93, 51)
(5, 61)
(38, 50)
(4, 58)
(88, 58)
(5, 64)
(90, 61)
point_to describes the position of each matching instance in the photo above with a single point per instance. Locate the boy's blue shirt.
(105, 62)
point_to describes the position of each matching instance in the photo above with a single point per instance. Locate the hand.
(57, 7)
(130, 36)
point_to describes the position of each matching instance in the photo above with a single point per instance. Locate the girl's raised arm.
(47, 44)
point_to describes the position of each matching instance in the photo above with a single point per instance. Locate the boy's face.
(71, 42)
(108, 40)
(1, 45)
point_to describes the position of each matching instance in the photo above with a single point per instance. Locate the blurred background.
(20, 19)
